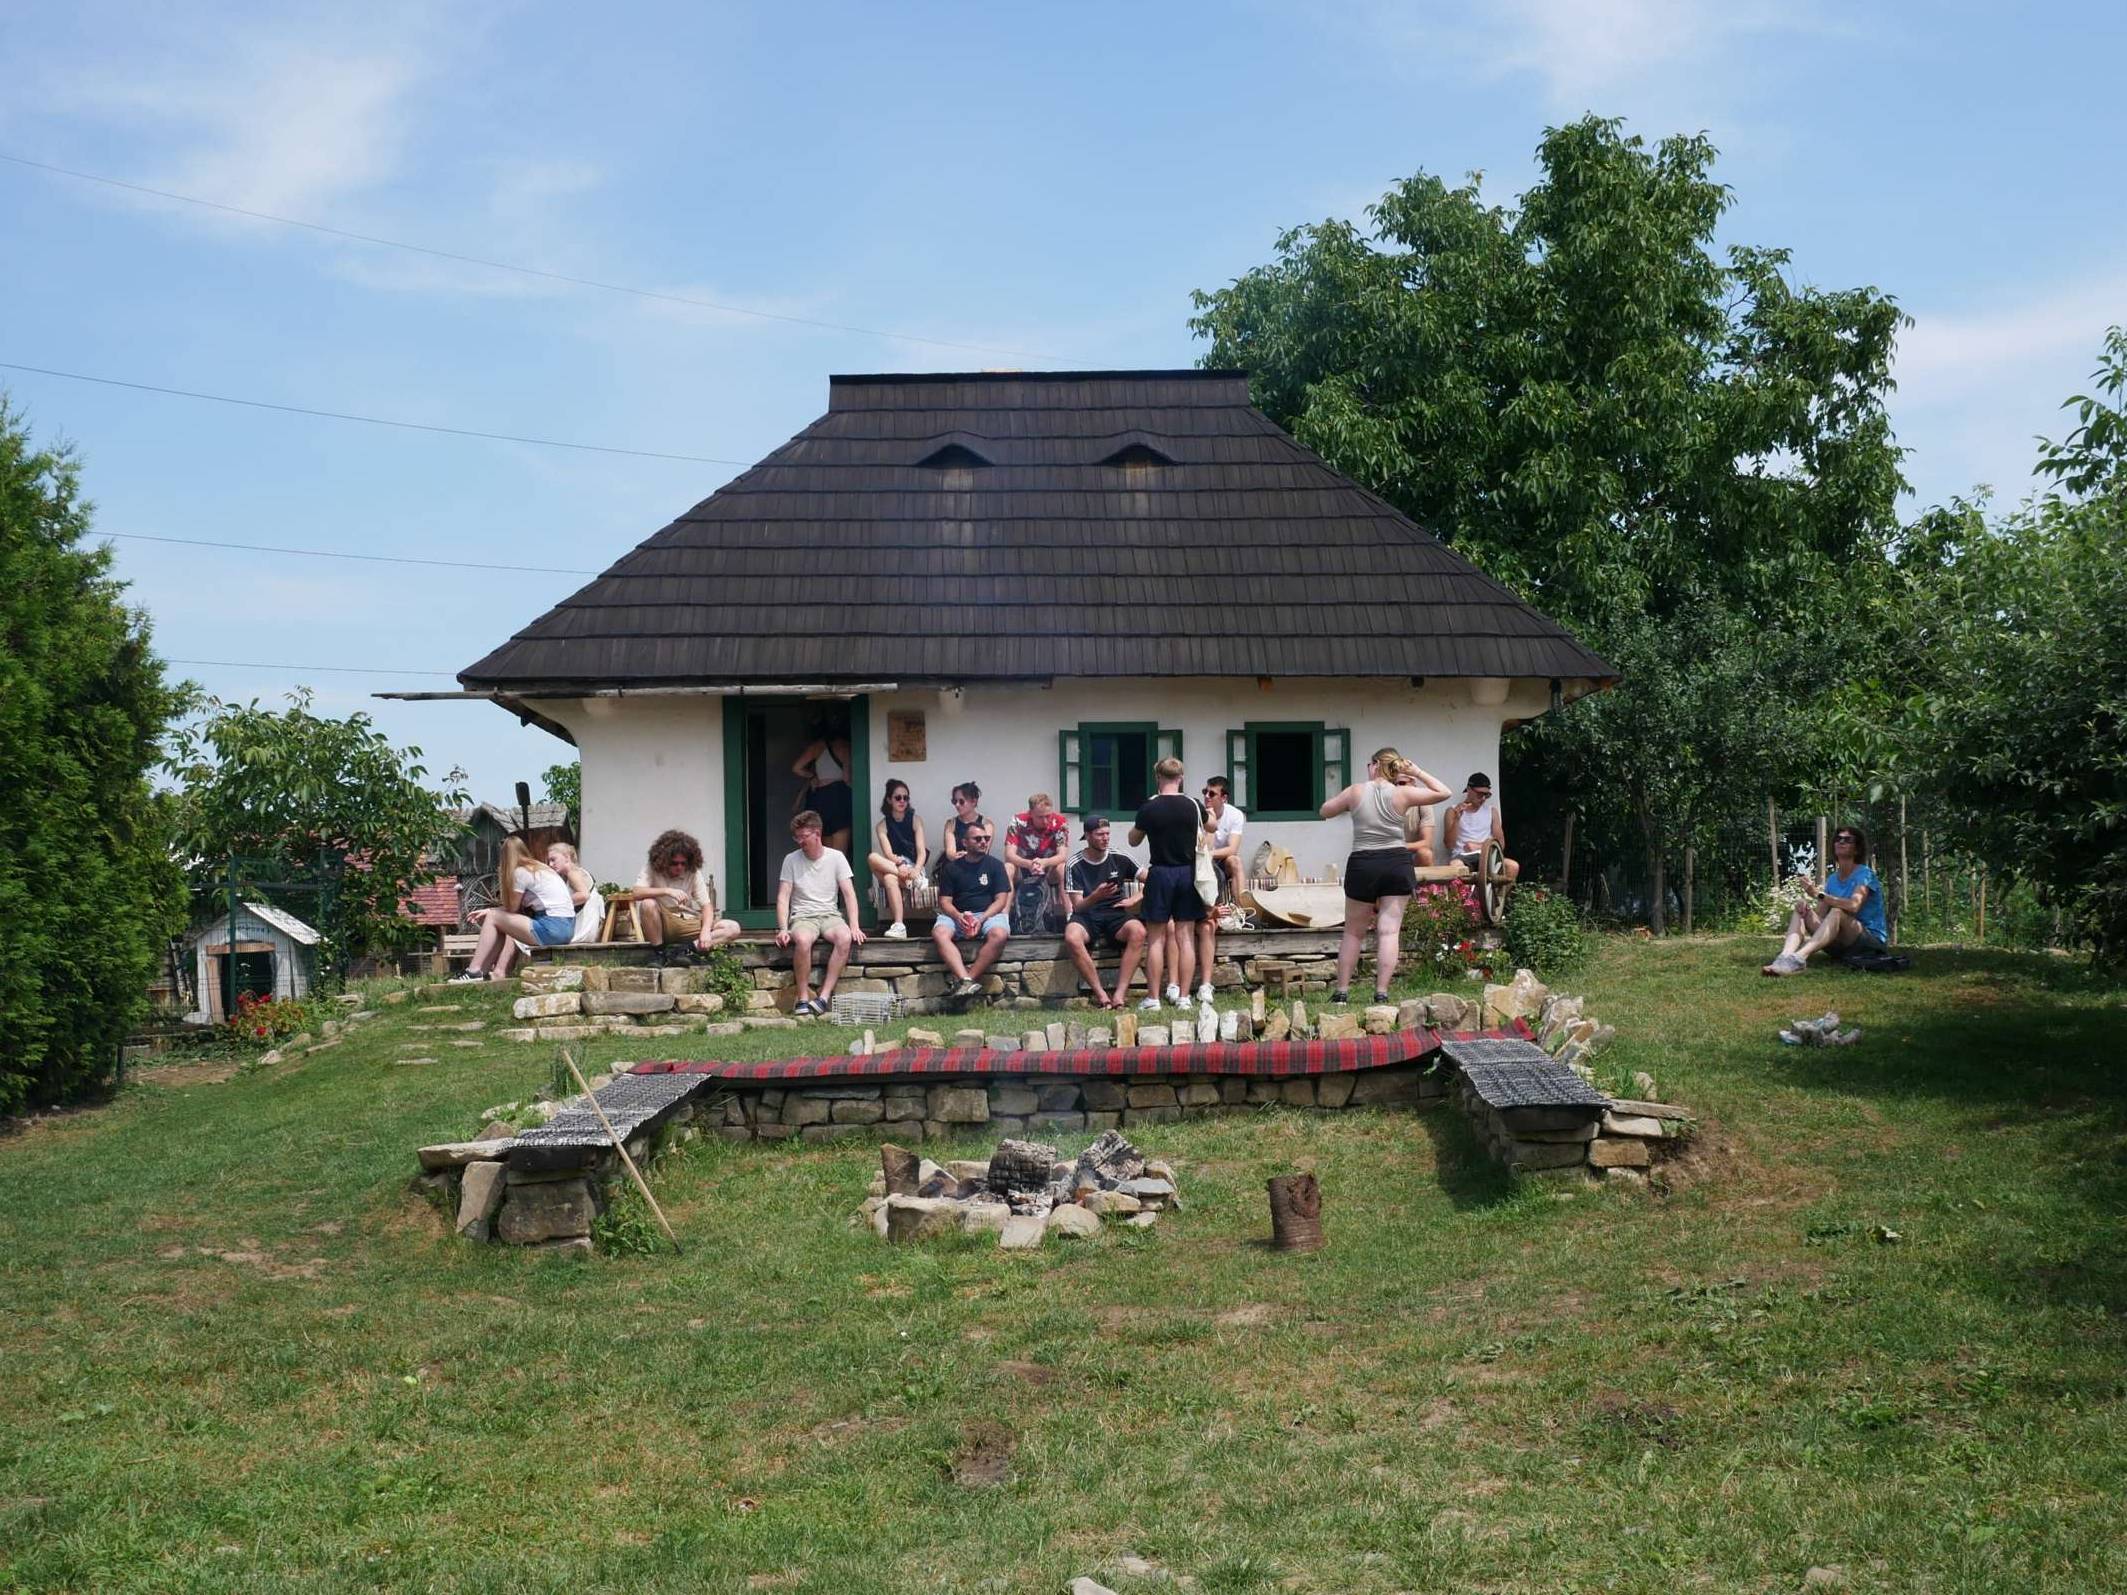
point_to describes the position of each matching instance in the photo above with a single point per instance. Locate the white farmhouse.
(1036, 582)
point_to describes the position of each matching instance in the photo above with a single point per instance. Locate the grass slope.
(241, 1358)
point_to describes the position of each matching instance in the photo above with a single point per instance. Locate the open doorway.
(782, 755)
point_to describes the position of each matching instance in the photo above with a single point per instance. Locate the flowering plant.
(266, 1019)
(1440, 932)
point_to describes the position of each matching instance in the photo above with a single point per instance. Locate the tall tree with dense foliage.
(88, 895)
(1591, 401)
(2020, 630)
(304, 798)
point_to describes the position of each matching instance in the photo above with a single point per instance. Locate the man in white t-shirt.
(816, 897)
(1225, 823)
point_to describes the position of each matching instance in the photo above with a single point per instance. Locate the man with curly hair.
(673, 900)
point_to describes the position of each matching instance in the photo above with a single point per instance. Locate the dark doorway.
(764, 738)
(248, 972)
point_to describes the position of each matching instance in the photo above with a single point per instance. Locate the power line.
(335, 670)
(328, 553)
(369, 420)
(524, 271)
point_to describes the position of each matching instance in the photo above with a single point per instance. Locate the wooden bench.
(458, 948)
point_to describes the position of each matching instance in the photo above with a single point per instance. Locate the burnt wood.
(845, 557)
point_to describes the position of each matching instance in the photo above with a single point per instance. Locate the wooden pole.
(1565, 869)
(1927, 879)
(1691, 860)
(1982, 894)
(1295, 1213)
(1824, 846)
(1772, 840)
(628, 1162)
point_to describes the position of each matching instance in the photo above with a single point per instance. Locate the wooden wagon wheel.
(475, 892)
(1492, 884)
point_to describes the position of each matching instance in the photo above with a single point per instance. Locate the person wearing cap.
(1476, 820)
(1095, 883)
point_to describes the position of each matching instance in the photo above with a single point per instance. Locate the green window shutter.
(1336, 762)
(1237, 768)
(1070, 772)
(1166, 745)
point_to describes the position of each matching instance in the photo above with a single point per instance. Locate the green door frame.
(738, 884)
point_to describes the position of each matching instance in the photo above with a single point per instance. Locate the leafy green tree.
(1588, 399)
(88, 895)
(300, 797)
(563, 784)
(2023, 720)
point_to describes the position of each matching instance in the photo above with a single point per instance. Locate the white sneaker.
(897, 931)
(467, 978)
(1180, 999)
(1174, 995)
(1203, 994)
(1149, 1005)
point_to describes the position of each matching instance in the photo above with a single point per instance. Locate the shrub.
(1440, 933)
(720, 971)
(1544, 933)
(262, 1021)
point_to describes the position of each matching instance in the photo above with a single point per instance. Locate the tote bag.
(1207, 877)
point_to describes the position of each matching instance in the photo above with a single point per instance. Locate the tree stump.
(900, 1166)
(1295, 1213)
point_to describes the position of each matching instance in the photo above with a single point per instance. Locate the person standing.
(1226, 823)
(973, 895)
(898, 853)
(1378, 880)
(1169, 823)
(816, 898)
(1095, 884)
(824, 767)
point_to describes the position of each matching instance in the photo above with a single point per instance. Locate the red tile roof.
(434, 904)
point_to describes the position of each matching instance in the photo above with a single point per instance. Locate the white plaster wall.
(1004, 739)
(649, 764)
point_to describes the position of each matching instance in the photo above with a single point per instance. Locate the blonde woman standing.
(1378, 881)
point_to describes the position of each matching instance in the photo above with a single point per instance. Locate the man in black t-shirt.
(1095, 884)
(1170, 822)
(972, 893)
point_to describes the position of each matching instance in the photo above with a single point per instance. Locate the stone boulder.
(920, 1218)
(1073, 1222)
(625, 1003)
(545, 1210)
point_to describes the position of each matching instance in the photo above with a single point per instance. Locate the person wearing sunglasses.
(1844, 915)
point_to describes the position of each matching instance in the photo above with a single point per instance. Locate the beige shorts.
(818, 924)
(680, 925)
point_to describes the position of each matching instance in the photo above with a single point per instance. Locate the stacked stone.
(1540, 1141)
(1023, 1193)
(574, 1002)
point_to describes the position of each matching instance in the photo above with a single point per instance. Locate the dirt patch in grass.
(217, 1071)
(985, 1456)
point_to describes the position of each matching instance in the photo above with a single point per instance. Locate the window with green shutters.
(1105, 767)
(1287, 769)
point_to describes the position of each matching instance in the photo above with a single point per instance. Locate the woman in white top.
(1378, 881)
(536, 908)
(583, 891)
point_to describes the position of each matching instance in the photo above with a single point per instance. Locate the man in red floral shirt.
(1038, 844)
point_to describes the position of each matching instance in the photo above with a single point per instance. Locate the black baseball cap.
(1480, 780)
(1095, 822)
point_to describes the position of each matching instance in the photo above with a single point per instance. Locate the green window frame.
(1089, 773)
(1329, 765)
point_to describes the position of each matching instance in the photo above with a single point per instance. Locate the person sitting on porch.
(973, 895)
(965, 796)
(673, 901)
(816, 897)
(824, 767)
(1418, 830)
(899, 850)
(1475, 821)
(1036, 849)
(535, 910)
(1095, 883)
(583, 891)
(1844, 916)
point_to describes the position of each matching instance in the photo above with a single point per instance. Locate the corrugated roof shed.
(1073, 551)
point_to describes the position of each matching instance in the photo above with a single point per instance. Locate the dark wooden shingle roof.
(843, 557)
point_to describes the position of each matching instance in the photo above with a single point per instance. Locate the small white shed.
(271, 954)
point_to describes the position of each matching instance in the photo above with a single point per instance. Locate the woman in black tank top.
(899, 852)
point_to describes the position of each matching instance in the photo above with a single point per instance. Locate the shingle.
(838, 557)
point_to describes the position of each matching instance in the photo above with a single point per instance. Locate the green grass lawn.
(241, 1357)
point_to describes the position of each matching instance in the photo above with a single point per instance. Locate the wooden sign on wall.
(905, 737)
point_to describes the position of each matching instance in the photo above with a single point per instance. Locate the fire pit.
(1023, 1193)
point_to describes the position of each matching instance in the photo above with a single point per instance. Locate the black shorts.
(833, 804)
(1102, 927)
(1170, 893)
(1377, 873)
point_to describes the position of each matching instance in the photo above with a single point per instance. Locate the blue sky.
(1049, 185)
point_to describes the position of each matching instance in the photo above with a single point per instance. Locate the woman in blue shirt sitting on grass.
(1845, 916)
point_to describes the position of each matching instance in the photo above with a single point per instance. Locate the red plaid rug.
(1271, 1059)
